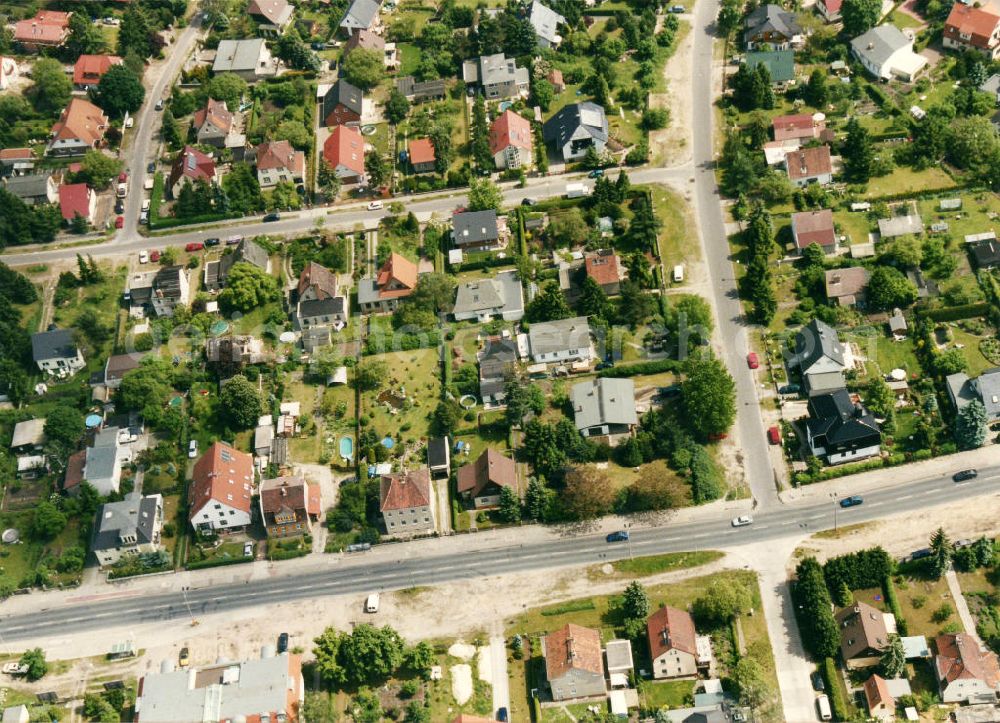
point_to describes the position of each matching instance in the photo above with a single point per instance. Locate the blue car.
(620, 536)
(502, 714)
(596, 173)
(851, 501)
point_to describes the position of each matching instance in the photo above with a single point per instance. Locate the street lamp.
(836, 504)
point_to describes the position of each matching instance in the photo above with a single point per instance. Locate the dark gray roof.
(604, 401)
(495, 361)
(167, 282)
(55, 344)
(135, 516)
(28, 186)
(333, 306)
(986, 253)
(589, 116)
(238, 55)
(840, 421)
(409, 87)
(771, 19)
(247, 252)
(342, 93)
(437, 452)
(817, 340)
(474, 227)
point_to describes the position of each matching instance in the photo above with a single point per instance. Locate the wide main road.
(418, 565)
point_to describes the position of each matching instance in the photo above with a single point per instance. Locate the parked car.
(789, 389)
(502, 714)
(120, 222)
(596, 173)
(818, 684)
(233, 240)
(742, 521)
(752, 361)
(143, 257)
(965, 475)
(154, 256)
(619, 536)
(184, 658)
(212, 242)
(283, 643)
(144, 217)
(151, 167)
(375, 206)
(774, 435)
(123, 177)
(119, 205)
(159, 104)
(193, 448)
(371, 603)
(248, 549)
(852, 501)
(14, 668)
(194, 246)
(528, 202)
(677, 9)
(272, 217)
(921, 553)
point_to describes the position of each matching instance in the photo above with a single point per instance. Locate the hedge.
(632, 370)
(858, 570)
(889, 592)
(281, 553)
(838, 706)
(487, 261)
(217, 562)
(954, 313)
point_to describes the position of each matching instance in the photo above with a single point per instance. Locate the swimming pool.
(346, 447)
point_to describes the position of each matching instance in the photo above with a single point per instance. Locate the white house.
(221, 490)
(56, 352)
(102, 467)
(129, 527)
(561, 341)
(498, 298)
(887, 53)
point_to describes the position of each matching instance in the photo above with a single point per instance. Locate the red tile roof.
(808, 162)
(288, 495)
(48, 27)
(74, 469)
(80, 120)
(314, 502)
(222, 474)
(959, 656)
(280, 154)
(671, 629)
(572, 647)
(971, 21)
(216, 112)
(796, 126)
(490, 467)
(272, 10)
(832, 6)
(192, 164)
(320, 278)
(405, 490)
(364, 39)
(877, 693)
(400, 270)
(15, 154)
(345, 147)
(555, 77)
(421, 151)
(603, 268)
(74, 198)
(89, 69)
(509, 129)
(813, 227)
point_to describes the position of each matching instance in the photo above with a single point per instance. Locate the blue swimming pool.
(346, 447)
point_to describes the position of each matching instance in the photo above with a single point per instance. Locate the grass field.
(974, 216)
(919, 598)
(904, 180)
(656, 564)
(970, 348)
(416, 374)
(678, 235)
(666, 693)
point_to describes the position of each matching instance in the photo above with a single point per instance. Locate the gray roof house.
(33, 190)
(496, 366)
(499, 76)
(103, 465)
(886, 52)
(770, 25)
(820, 356)
(249, 59)
(900, 225)
(561, 341)
(330, 312)
(246, 252)
(129, 527)
(546, 21)
(28, 435)
(418, 91)
(605, 408)
(500, 297)
(361, 15)
(342, 104)
(575, 128)
(985, 388)
(56, 352)
(475, 230)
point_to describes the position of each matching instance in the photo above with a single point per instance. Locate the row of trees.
(15, 344)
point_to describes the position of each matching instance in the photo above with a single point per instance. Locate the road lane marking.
(905, 497)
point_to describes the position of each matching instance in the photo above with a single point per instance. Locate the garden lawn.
(854, 225)
(666, 693)
(678, 236)
(905, 180)
(919, 597)
(891, 355)
(977, 362)
(973, 218)
(101, 298)
(415, 372)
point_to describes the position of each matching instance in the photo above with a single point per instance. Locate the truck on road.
(577, 190)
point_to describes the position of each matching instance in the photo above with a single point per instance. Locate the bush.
(838, 706)
(942, 613)
(892, 601)
(631, 370)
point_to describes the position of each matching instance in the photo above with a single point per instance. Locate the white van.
(678, 273)
(371, 604)
(823, 705)
(145, 204)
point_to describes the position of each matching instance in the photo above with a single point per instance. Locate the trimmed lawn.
(678, 234)
(906, 180)
(855, 225)
(666, 693)
(657, 564)
(974, 216)
(416, 374)
(896, 355)
(410, 56)
(970, 348)
(919, 598)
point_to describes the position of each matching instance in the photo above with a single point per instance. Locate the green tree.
(52, 87)
(951, 361)
(820, 633)
(970, 425)
(96, 708)
(860, 16)
(537, 500)
(634, 305)
(569, 228)
(135, 32)
(484, 195)
(64, 427)
(99, 169)
(548, 305)
(892, 664)
(889, 288)
(542, 93)
(542, 450)
(588, 493)
(376, 168)
(858, 153)
(593, 301)
(397, 107)
(420, 658)
(371, 374)
(241, 402)
(369, 654)
(730, 17)
(879, 397)
(708, 395)
(903, 252)
(85, 38)
(363, 68)
(226, 87)
(444, 153)
(754, 689)
(972, 143)
(120, 91)
(635, 602)
(522, 399)
(435, 292)
(48, 521)
(941, 552)
(657, 488)
(930, 139)
(723, 600)
(35, 660)
(170, 130)
(295, 132)
(510, 505)
(248, 287)
(243, 189)
(816, 91)
(445, 418)
(479, 133)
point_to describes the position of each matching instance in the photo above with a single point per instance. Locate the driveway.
(321, 474)
(498, 671)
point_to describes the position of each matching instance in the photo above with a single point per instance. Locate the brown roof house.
(881, 704)
(289, 506)
(273, 15)
(405, 502)
(574, 664)
(482, 480)
(847, 287)
(80, 127)
(864, 634)
(422, 155)
(213, 123)
(47, 29)
(810, 165)
(672, 643)
(604, 268)
(277, 162)
(395, 280)
(814, 227)
(965, 672)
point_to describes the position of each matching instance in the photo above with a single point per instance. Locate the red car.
(122, 177)
(194, 246)
(774, 435)
(120, 222)
(154, 256)
(752, 361)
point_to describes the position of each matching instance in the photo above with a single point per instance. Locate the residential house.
(574, 666)
(189, 166)
(33, 190)
(546, 23)
(248, 59)
(864, 634)
(887, 53)
(9, 71)
(117, 366)
(605, 408)
(496, 368)
(89, 69)
(426, 90)
(605, 268)
(329, 312)
(342, 104)
(103, 460)
(273, 15)
(985, 388)
(555, 77)
(966, 673)
(881, 705)
(405, 501)
(270, 688)
(780, 64)
(246, 252)
(277, 162)
(316, 282)
(510, 140)
(771, 26)
(222, 488)
(20, 714)
(820, 357)
(800, 126)
(565, 340)
(235, 352)
(481, 482)
(576, 128)
(289, 506)
(28, 437)
(985, 253)
(367, 40)
(809, 165)
(498, 76)
(160, 291)
(213, 124)
(829, 9)
(31, 466)
(475, 230)
(992, 86)
(814, 227)
(81, 126)
(422, 156)
(56, 352)
(972, 28)
(439, 457)
(361, 15)
(73, 477)
(47, 29)
(77, 199)
(840, 428)
(672, 643)
(501, 297)
(395, 280)
(344, 150)
(129, 527)
(15, 162)
(847, 287)
(900, 226)
(618, 658)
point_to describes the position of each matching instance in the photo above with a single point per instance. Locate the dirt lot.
(672, 145)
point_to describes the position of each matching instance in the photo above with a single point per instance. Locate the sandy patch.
(462, 651)
(461, 683)
(485, 665)
(672, 145)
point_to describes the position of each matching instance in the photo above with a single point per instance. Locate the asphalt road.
(418, 565)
